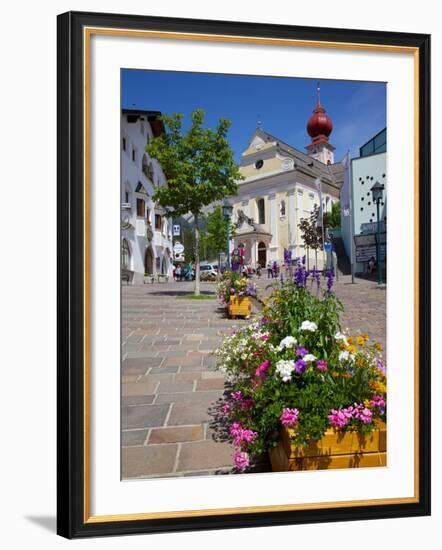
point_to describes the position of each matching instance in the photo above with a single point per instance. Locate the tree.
(333, 219)
(310, 232)
(199, 166)
(216, 231)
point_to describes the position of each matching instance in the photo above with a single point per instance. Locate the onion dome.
(319, 125)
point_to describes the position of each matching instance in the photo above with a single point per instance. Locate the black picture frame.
(72, 521)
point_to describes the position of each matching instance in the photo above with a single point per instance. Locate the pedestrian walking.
(269, 270)
(178, 273)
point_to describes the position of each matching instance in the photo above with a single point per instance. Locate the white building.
(280, 188)
(146, 232)
(367, 169)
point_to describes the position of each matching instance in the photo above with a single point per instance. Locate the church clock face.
(287, 164)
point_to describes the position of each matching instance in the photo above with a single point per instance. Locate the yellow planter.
(334, 450)
(240, 306)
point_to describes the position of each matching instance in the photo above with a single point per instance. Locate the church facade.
(281, 185)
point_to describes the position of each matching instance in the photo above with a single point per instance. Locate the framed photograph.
(234, 287)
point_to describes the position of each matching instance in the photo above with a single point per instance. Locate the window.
(261, 211)
(140, 208)
(282, 208)
(125, 255)
(158, 222)
(259, 164)
(147, 168)
(134, 154)
(124, 144)
(126, 196)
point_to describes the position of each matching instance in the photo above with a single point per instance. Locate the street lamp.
(377, 192)
(227, 210)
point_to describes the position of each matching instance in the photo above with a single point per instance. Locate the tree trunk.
(197, 255)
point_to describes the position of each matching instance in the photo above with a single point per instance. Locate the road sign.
(178, 248)
(176, 230)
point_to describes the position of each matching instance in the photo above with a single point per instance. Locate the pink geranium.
(241, 459)
(338, 418)
(289, 417)
(263, 367)
(240, 434)
(321, 365)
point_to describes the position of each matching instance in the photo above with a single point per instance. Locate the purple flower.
(289, 417)
(300, 352)
(264, 321)
(300, 276)
(316, 276)
(381, 366)
(330, 279)
(300, 366)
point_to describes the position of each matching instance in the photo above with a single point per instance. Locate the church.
(281, 186)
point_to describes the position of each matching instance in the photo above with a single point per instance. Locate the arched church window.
(282, 208)
(261, 211)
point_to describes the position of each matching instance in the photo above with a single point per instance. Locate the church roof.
(302, 161)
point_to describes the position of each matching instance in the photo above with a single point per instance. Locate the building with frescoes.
(146, 231)
(280, 187)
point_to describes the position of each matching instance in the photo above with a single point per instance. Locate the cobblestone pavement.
(168, 380)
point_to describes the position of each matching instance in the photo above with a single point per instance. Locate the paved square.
(168, 381)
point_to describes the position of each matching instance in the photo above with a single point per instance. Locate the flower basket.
(240, 306)
(334, 450)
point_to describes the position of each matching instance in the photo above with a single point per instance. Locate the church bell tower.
(319, 128)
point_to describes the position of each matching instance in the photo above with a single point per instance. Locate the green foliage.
(216, 230)
(333, 219)
(199, 166)
(339, 372)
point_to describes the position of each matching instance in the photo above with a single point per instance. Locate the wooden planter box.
(334, 450)
(240, 306)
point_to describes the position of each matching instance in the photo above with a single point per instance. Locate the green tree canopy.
(333, 219)
(199, 166)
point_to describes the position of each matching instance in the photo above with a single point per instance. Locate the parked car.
(207, 272)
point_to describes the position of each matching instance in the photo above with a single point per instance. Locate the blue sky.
(358, 109)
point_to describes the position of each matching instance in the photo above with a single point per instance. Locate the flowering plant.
(295, 369)
(233, 284)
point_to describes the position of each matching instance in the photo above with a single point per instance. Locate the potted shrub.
(300, 389)
(235, 292)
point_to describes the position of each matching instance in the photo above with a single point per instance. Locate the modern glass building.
(377, 144)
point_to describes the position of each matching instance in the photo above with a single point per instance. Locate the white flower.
(345, 356)
(308, 326)
(309, 358)
(285, 369)
(287, 342)
(339, 337)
